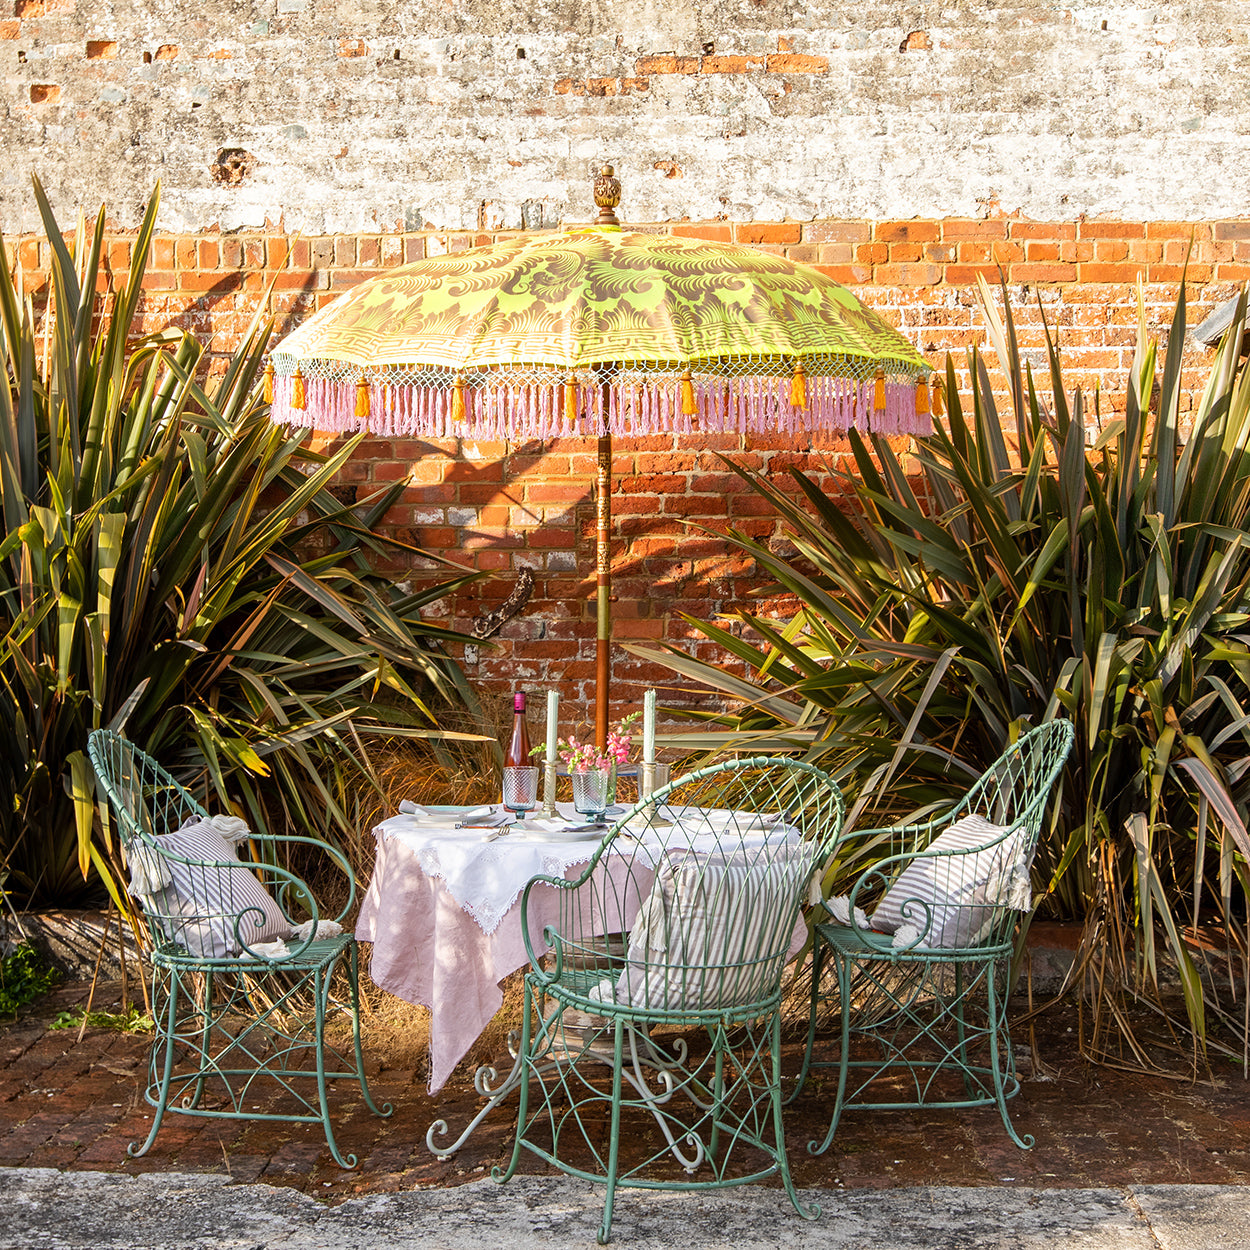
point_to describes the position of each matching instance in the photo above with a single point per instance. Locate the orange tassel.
(939, 396)
(878, 398)
(457, 400)
(298, 402)
(798, 386)
(269, 382)
(362, 397)
(687, 394)
(922, 398)
(570, 402)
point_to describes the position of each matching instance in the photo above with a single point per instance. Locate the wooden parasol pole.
(607, 194)
(603, 581)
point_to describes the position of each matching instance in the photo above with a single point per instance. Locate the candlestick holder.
(549, 788)
(651, 777)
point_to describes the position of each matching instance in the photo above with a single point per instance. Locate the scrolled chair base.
(714, 1107)
(923, 1032)
(232, 1035)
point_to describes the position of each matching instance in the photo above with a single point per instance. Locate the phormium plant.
(175, 564)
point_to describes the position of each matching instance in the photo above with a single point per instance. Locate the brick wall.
(503, 507)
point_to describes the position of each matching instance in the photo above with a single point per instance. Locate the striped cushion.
(208, 909)
(950, 900)
(713, 933)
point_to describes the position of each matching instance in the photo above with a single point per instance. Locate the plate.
(576, 834)
(448, 813)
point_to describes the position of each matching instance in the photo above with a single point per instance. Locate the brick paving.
(73, 1104)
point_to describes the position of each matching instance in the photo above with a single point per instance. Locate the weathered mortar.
(489, 113)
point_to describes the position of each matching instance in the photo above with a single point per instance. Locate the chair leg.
(353, 974)
(1027, 1141)
(321, 994)
(818, 963)
(810, 1211)
(523, 1097)
(961, 1030)
(844, 1056)
(614, 1139)
(717, 1100)
(206, 1032)
(165, 1037)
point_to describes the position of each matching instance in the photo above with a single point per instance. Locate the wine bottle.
(517, 754)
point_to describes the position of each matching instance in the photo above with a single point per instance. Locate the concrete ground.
(1122, 1160)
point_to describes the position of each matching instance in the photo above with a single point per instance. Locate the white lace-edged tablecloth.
(441, 912)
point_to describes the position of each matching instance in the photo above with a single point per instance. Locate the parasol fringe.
(674, 405)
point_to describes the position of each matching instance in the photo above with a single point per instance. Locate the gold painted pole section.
(603, 582)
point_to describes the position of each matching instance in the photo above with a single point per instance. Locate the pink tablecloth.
(429, 951)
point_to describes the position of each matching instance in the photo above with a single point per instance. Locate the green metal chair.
(707, 876)
(920, 985)
(234, 1014)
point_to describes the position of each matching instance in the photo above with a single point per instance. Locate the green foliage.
(174, 564)
(24, 976)
(130, 1020)
(1098, 570)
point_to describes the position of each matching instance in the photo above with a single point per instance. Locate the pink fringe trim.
(745, 405)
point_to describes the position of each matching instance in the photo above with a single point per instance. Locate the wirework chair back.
(707, 877)
(959, 881)
(684, 919)
(199, 898)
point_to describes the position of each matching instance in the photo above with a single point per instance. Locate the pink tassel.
(280, 409)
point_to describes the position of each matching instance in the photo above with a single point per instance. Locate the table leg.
(484, 1082)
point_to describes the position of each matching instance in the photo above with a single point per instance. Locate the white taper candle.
(553, 724)
(648, 727)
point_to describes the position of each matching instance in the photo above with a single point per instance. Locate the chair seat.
(575, 991)
(876, 945)
(319, 954)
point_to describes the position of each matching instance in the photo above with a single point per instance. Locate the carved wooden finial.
(607, 196)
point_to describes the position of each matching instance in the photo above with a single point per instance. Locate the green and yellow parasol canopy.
(599, 328)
